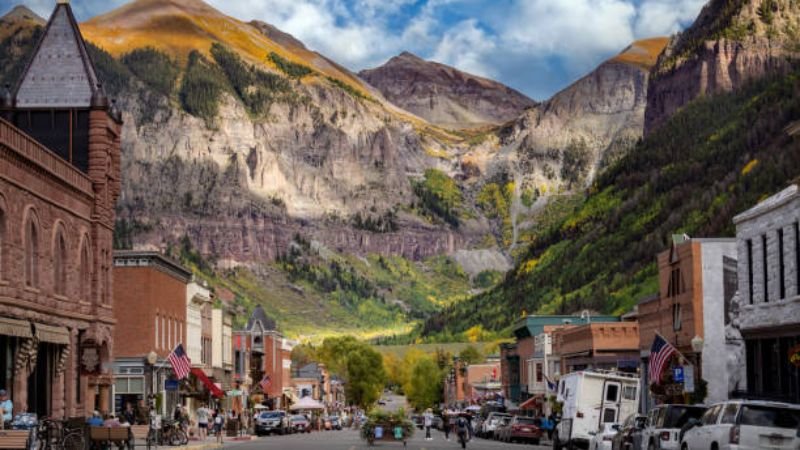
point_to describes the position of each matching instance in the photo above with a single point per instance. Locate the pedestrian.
(128, 414)
(111, 421)
(95, 420)
(219, 421)
(428, 423)
(142, 413)
(446, 426)
(202, 422)
(6, 409)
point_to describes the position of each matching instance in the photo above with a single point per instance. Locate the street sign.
(677, 374)
(688, 374)
(170, 385)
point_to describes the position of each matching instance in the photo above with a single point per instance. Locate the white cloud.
(665, 17)
(465, 46)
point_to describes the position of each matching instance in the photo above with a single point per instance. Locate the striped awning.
(14, 327)
(51, 334)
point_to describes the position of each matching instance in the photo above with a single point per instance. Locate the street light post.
(697, 347)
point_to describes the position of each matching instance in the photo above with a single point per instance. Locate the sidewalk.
(211, 443)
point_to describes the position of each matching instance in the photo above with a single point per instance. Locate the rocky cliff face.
(444, 95)
(557, 146)
(729, 45)
(243, 184)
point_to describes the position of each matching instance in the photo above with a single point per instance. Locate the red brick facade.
(149, 302)
(56, 233)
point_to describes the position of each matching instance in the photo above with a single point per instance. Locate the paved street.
(348, 439)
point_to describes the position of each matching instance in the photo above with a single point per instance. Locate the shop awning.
(532, 403)
(53, 335)
(13, 327)
(215, 391)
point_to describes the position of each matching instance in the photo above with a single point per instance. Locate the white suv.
(664, 423)
(744, 425)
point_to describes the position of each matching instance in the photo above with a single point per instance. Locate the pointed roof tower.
(60, 74)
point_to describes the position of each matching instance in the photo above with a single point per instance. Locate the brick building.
(697, 282)
(150, 305)
(59, 182)
(261, 351)
(514, 357)
(768, 316)
(609, 346)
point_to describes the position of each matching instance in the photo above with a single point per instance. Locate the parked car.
(501, 428)
(520, 429)
(269, 422)
(489, 425)
(745, 425)
(664, 423)
(333, 423)
(629, 436)
(601, 439)
(300, 424)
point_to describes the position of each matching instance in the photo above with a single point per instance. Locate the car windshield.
(270, 415)
(770, 416)
(677, 416)
(526, 421)
(298, 418)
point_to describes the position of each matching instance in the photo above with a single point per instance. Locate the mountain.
(444, 95)
(20, 28)
(707, 160)
(730, 44)
(558, 146)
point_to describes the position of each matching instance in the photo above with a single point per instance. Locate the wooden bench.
(108, 435)
(14, 439)
(139, 435)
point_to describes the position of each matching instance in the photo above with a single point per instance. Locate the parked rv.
(591, 399)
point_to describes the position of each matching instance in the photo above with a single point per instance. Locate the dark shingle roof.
(259, 315)
(60, 74)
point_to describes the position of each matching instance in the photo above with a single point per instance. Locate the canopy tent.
(260, 406)
(307, 404)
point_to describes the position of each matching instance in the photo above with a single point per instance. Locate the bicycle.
(172, 433)
(54, 434)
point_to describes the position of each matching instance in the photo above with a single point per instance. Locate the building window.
(676, 316)
(797, 257)
(59, 265)
(750, 269)
(157, 342)
(676, 284)
(2, 241)
(781, 267)
(539, 374)
(764, 266)
(31, 254)
(163, 334)
(85, 273)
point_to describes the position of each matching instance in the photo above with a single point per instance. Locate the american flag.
(265, 382)
(180, 362)
(660, 353)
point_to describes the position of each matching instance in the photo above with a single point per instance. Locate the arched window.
(31, 254)
(60, 264)
(3, 238)
(85, 273)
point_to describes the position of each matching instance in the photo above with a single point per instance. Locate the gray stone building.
(768, 245)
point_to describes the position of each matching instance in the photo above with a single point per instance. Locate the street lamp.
(697, 346)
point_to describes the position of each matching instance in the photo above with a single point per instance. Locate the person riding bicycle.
(462, 428)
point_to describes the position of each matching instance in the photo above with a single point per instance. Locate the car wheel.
(685, 446)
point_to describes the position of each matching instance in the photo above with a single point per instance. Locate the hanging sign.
(688, 379)
(794, 355)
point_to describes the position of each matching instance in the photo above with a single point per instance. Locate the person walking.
(202, 422)
(219, 422)
(446, 426)
(428, 424)
(6, 409)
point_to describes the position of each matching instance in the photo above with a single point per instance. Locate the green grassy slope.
(715, 158)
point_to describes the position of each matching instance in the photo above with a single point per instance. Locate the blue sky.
(535, 46)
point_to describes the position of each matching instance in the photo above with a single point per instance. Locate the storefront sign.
(688, 379)
(170, 385)
(794, 355)
(90, 359)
